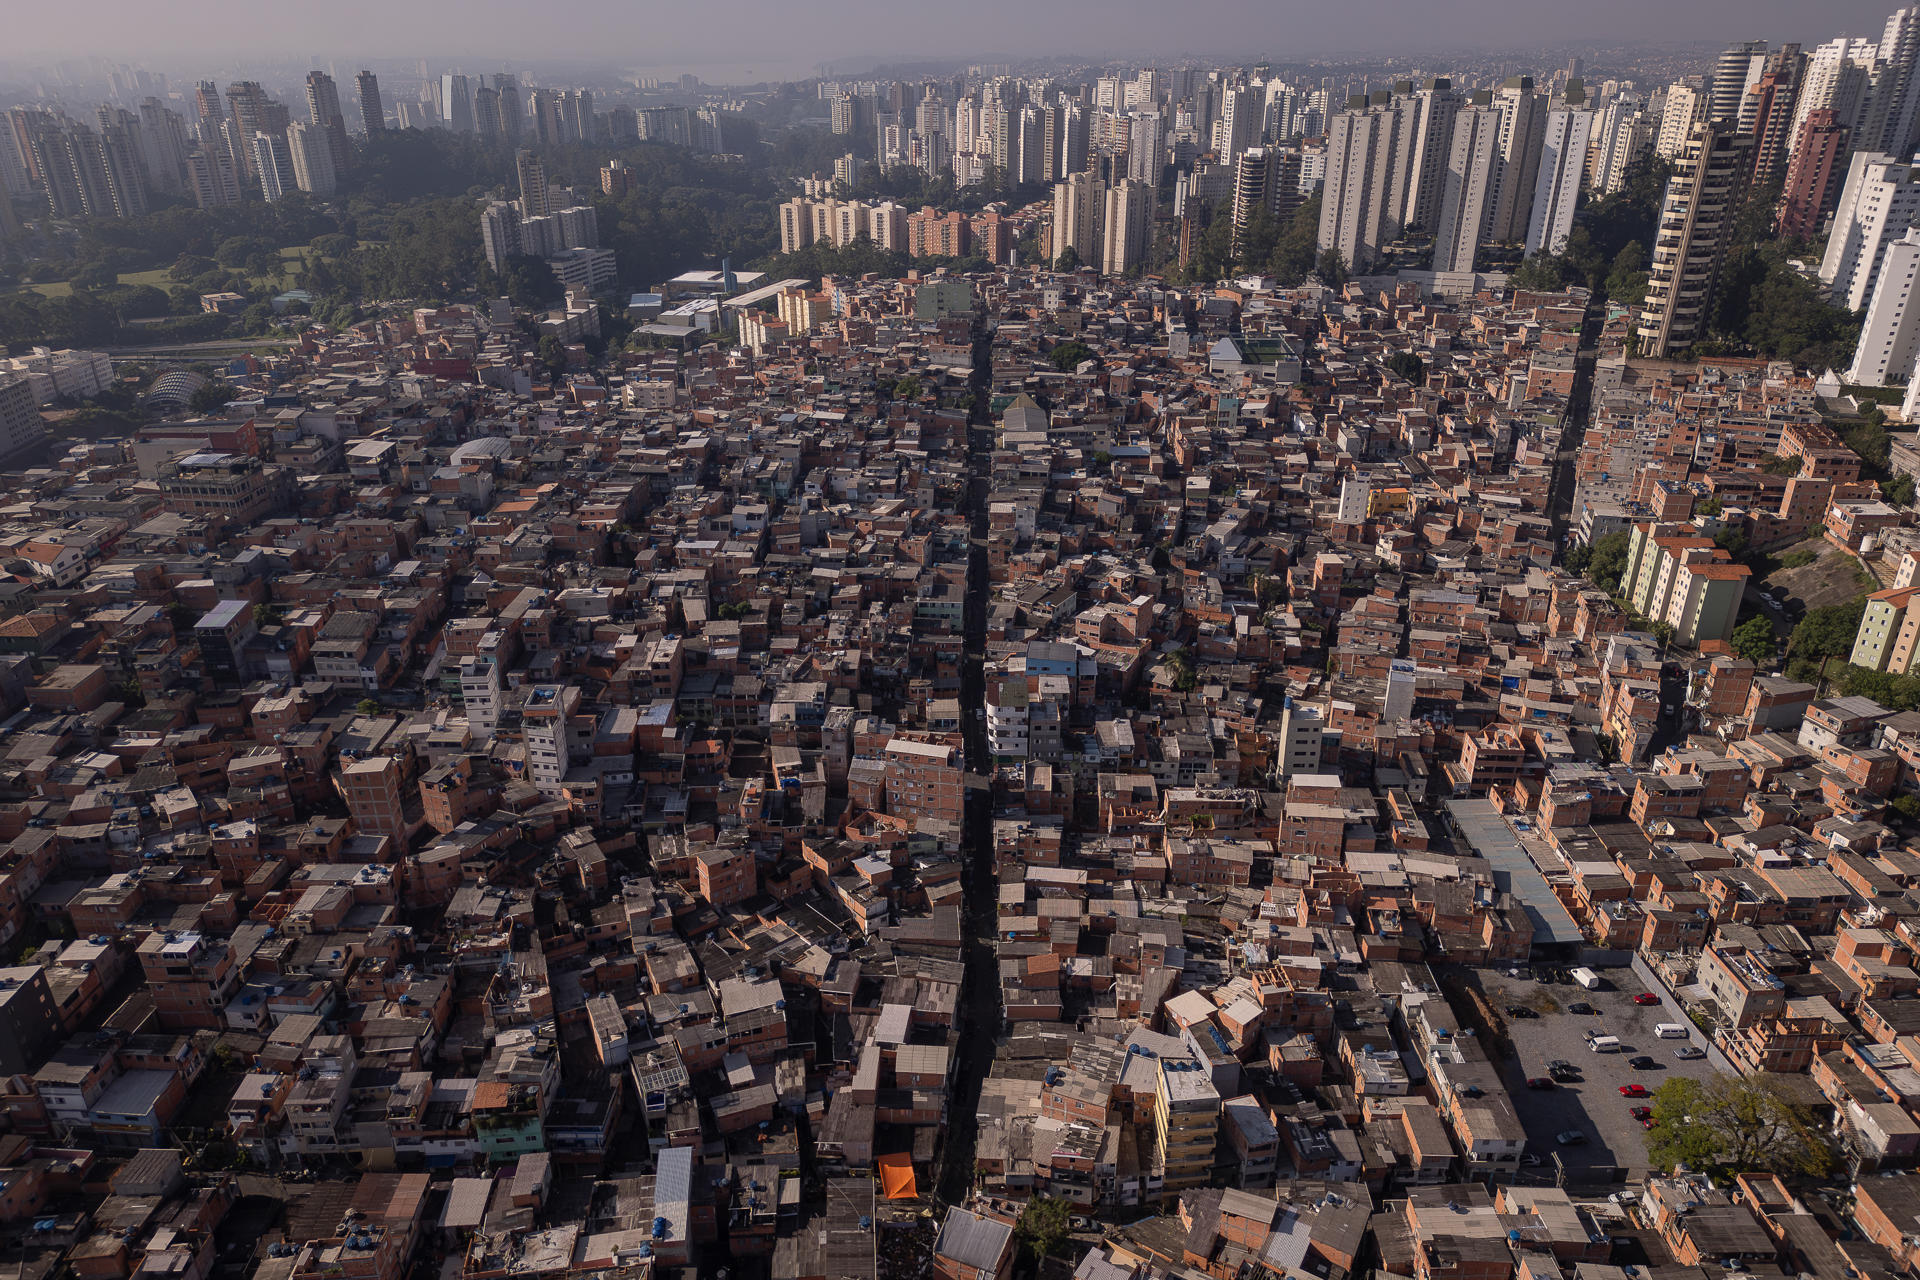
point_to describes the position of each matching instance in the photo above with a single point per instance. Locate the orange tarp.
(896, 1177)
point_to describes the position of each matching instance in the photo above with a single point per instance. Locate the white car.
(1688, 1052)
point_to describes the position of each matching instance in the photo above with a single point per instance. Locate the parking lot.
(1593, 1104)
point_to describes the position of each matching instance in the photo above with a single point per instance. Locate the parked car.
(1571, 1138)
(1582, 1008)
(1633, 1091)
(1688, 1052)
(1642, 1063)
(1646, 997)
(1080, 1224)
(1520, 1011)
(1540, 1082)
(1639, 1113)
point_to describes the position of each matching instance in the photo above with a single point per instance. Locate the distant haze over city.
(756, 40)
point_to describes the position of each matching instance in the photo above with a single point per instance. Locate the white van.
(1604, 1044)
(1670, 1030)
(1586, 978)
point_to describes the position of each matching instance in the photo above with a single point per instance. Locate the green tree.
(1068, 259)
(1045, 1225)
(1753, 640)
(211, 398)
(367, 707)
(529, 282)
(1068, 356)
(1331, 267)
(1407, 365)
(1185, 677)
(1827, 632)
(1541, 272)
(553, 354)
(1899, 490)
(1607, 560)
(907, 389)
(1730, 1125)
(1907, 805)
(1731, 539)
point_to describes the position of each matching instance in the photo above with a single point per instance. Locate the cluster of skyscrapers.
(116, 164)
(496, 108)
(548, 221)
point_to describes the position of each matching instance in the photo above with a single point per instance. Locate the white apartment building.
(1890, 337)
(1563, 163)
(1879, 202)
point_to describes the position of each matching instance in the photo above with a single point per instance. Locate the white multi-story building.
(1007, 721)
(1466, 199)
(546, 726)
(1079, 205)
(1890, 336)
(1129, 219)
(1523, 128)
(1620, 133)
(1357, 207)
(480, 695)
(1563, 163)
(274, 163)
(1431, 113)
(20, 422)
(1685, 107)
(1836, 79)
(1302, 731)
(309, 148)
(1879, 202)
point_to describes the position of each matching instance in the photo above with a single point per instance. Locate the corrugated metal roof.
(1513, 869)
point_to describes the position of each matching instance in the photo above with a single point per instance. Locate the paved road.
(1579, 408)
(980, 1017)
(214, 344)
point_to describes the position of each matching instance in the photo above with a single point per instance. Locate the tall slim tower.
(373, 115)
(513, 111)
(533, 185)
(1358, 200)
(1703, 197)
(1078, 205)
(1563, 163)
(1814, 176)
(1523, 132)
(1894, 101)
(1774, 95)
(249, 103)
(1466, 198)
(323, 105)
(312, 158)
(1433, 110)
(1129, 218)
(1242, 114)
(456, 103)
(1739, 67)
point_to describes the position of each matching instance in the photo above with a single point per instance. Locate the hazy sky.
(787, 39)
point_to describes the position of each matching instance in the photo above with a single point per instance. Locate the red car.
(1634, 1091)
(1646, 997)
(1640, 1113)
(1646, 1122)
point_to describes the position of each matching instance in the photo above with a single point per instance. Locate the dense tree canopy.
(1753, 640)
(1730, 1124)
